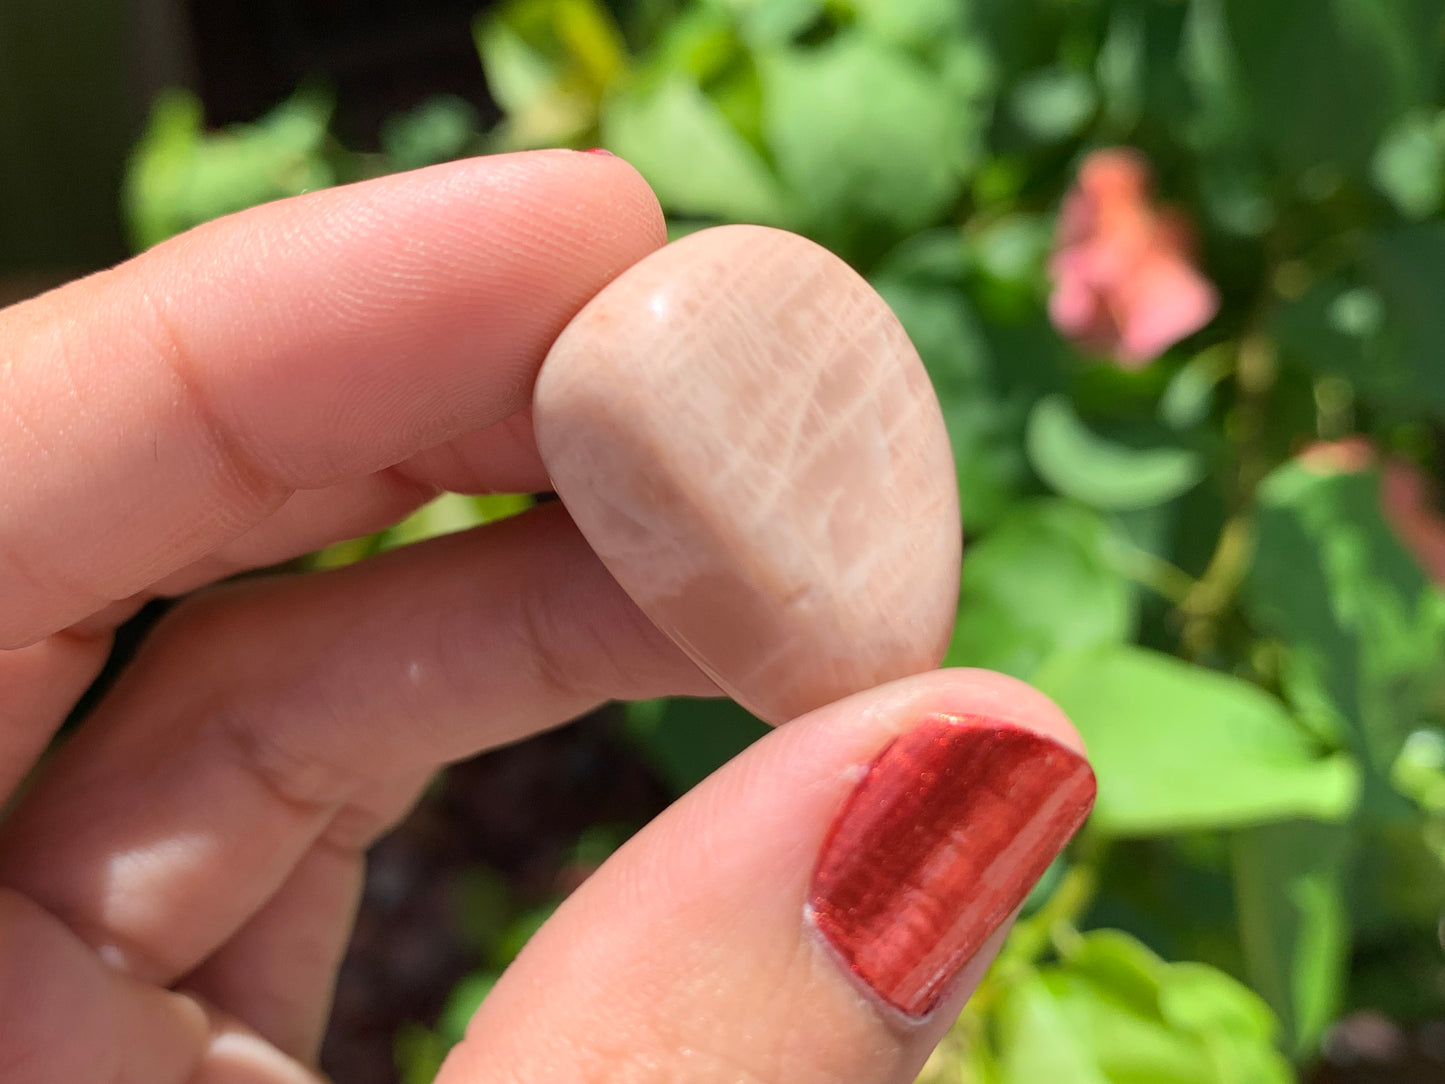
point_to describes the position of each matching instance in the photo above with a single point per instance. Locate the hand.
(177, 883)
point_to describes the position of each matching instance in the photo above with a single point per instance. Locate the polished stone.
(743, 432)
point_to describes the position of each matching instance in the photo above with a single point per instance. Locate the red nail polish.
(600, 150)
(940, 842)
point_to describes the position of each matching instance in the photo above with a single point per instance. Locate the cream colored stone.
(743, 432)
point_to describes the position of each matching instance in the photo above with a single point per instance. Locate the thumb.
(818, 910)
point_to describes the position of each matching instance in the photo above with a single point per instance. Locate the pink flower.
(1125, 283)
(1405, 497)
(1405, 494)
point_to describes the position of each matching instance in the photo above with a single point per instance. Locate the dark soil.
(517, 811)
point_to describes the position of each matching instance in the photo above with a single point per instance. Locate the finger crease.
(406, 486)
(309, 790)
(539, 643)
(245, 471)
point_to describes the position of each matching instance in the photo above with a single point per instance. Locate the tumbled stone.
(743, 432)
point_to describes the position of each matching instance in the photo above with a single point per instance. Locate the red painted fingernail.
(940, 842)
(600, 150)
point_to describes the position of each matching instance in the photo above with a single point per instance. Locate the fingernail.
(938, 844)
(600, 150)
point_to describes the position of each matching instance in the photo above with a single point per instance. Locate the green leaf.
(438, 130)
(1121, 966)
(1406, 266)
(1323, 78)
(418, 1052)
(1112, 1011)
(912, 23)
(1363, 628)
(1232, 1024)
(462, 1004)
(1177, 747)
(522, 928)
(518, 75)
(1379, 324)
(1120, 69)
(1014, 249)
(1038, 1042)
(1235, 194)
(447, 514)
(1187, 400)
(1293, 921)
(1409, 165)
(869, 141)
(1210, 66)
(180, 176)
(1398, 880)
(452, 512)
(1079, 463)
(1053, 104)
(766, 23)
(1199, 998)
(695, 160)
(548, 64)
(483, 905)
(1043, 581)
(685, 741)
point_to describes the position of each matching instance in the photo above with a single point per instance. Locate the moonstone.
(741, 429)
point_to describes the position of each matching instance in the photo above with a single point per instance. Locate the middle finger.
(260, 712)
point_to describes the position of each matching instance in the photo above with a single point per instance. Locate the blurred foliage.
(182, 175)
(497, 926)
(1255, 660)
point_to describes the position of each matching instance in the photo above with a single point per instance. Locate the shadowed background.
(1196, 391)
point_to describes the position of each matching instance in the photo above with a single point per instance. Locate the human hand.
(177, 883)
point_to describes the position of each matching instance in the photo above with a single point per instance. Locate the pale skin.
(177, 883)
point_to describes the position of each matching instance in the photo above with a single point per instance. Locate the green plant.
(1246, 635)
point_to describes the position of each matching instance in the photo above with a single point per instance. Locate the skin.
(177, 882)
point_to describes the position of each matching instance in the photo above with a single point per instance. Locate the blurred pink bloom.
(1405, 497)
(1125, 283)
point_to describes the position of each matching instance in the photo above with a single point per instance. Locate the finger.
(499, 459)
(267, 715)
(278, 972)
(38, 686)
(178, 400)
(872, 834)
(67, 1017)
(502, 458)
(309, 520)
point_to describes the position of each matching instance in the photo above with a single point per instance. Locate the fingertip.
(946, 829)
(1009, 699)
(630, 181)
(892, 709)
(834, 894)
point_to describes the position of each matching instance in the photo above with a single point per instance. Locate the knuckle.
(245, 471)
(249, 730)
(544, 636)
(48, 996)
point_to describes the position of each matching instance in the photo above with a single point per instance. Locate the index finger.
(150, 413)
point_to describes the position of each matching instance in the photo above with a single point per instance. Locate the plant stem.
(1213, 593)
(1256, 371)
(1164, 578)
